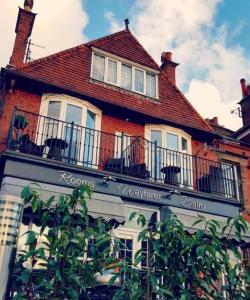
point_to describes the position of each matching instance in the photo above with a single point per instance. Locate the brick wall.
(112, 144)
(112, 125)
(22, 100)
(244, 168)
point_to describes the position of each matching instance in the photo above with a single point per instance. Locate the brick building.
(106, 114)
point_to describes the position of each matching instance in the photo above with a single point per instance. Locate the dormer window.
(122, 73)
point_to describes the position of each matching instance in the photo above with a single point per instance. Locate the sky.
(209, 39)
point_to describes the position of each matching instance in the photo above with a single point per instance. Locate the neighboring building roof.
(241, 130)
(70, 69)
(243, 134)
(222, 131)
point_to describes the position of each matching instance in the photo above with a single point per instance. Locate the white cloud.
(207, 101)
(187, 28)
(115, 26)
(59, 25)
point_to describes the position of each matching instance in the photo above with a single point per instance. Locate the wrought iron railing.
(128, 155)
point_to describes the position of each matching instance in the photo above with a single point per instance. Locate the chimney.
(243, 87)
(245, 102)
(168, 66)
(215, 121)
(24, 26)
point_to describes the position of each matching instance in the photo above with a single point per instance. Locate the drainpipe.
(4, 90)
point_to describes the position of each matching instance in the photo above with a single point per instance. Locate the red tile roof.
(71, 69)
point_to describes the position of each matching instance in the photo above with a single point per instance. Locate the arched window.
(171, 154)
(74, 121)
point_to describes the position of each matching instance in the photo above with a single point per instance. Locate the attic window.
(124, 75)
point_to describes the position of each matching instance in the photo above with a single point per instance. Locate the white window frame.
(175, 131)
(127, 142)
(234, 178)
(123, 232)
(107, 56)
(85, 106)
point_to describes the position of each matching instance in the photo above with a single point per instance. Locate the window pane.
(73, 114)
(183, 144)
(126, 80)
(139, 82)
(173, 157)
(98, 67)
(151, 85)
(144, 252)
(126, 249)
(172, 141)
(73, 135)
(89, 145)
(54, 109)
(90, 120)
(156, 137)
(230, 179)
(157, 163)
(51, 126)
(112, 71)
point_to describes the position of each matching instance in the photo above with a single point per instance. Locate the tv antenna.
(28, 51)
(237, 111)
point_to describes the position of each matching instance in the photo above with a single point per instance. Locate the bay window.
(124, 74)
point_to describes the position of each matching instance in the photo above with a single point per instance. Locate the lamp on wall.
(106, 179)
(172, 192)
(11, 208)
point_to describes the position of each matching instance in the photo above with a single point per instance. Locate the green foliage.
(188, 267)
(20, 122)
(60, 255)
(180, 266)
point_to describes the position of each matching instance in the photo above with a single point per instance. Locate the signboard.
(147, 192)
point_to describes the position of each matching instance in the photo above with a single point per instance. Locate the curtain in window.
(151, 85)
(98, 67)
(112, 71)
(126, 77)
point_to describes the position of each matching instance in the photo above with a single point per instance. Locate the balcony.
(133, 156)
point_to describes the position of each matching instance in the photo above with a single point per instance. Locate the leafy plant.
(184, 267)
(56, 264)
(63, 260)
(20, 121)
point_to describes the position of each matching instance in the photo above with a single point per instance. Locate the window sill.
(123, 90)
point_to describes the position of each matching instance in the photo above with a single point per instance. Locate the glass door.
(156, 154)
(186, 162)
(73, 133)
(90, 149)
